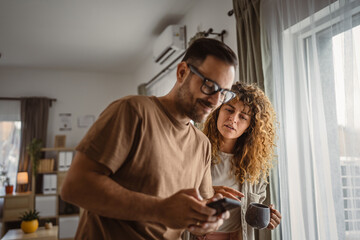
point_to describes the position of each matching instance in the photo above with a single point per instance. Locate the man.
(142, 170)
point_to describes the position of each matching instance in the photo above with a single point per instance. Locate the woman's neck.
(227, 145)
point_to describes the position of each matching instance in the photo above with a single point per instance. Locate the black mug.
(258, 215)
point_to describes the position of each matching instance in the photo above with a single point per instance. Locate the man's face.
(191, 101)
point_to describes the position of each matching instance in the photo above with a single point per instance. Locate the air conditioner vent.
(170, 41)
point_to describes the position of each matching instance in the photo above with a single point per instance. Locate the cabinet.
(47, 186)
(13, 206)
(45, 197)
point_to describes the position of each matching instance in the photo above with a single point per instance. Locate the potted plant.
(34, 151)
(30, 221)
(8, 187)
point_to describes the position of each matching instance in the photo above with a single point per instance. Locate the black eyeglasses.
(210, 87)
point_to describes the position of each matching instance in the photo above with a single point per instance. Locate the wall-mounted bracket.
(221, 34)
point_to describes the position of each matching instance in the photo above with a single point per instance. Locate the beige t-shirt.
(147, 151)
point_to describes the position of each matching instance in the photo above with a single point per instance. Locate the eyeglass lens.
(210, 87)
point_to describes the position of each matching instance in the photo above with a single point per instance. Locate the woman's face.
(234, 118)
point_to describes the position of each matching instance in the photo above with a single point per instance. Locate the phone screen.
(224, 204)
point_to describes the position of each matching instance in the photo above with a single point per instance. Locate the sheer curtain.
(311, 64)
(10, 128)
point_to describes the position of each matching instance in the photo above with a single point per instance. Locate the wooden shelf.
(48, 172)
(57, 149)
(61, 207)
(69, 215)
(44, 195)
(15, 194)
(50, 205)
(48, 217)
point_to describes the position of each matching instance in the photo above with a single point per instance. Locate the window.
(10, 135)
(312, 73)
(339, 59)
(350, 161)
(10, 147)
(338, 52)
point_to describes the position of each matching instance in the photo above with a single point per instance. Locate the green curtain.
(247, 15)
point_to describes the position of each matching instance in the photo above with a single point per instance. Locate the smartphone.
(224, 204)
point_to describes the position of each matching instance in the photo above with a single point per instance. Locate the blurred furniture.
(47, 187)
(45, 197)
(40, 234)
(14, 205)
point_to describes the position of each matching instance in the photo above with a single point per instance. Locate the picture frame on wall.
(60, 141)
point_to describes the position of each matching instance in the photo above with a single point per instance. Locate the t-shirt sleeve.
(111, 138)
(206, 190)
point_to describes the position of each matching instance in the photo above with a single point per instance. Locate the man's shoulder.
(129, 104)
(134, 101)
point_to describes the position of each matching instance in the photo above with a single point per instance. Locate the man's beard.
(187, 104)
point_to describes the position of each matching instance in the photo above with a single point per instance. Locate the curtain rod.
(18, 99)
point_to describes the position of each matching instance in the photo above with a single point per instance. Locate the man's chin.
(198, 114)
(199, 118)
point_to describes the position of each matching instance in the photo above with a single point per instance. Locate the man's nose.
(215, 99)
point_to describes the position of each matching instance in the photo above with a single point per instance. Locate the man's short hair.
(203, 47)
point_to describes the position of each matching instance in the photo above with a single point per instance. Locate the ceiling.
(83, 35)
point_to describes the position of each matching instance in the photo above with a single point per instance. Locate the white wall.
(203, 15)
(82, 93)
(78, 93)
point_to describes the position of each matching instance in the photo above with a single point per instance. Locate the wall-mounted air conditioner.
(171, 41)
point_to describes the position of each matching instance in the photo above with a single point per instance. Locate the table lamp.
(22, 180)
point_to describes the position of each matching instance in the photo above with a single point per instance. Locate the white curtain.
(9, 110)
(311, 61)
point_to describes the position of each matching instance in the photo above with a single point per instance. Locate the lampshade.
(22, 178)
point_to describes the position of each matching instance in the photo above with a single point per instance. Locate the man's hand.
(275, 218)
(201, 228)
(228, 192)
(185, 208)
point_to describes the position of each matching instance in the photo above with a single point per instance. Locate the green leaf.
(30, 215)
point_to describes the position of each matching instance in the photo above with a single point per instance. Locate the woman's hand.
(228, 192)
(275, 218)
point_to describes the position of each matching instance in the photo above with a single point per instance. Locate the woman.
(242, 134)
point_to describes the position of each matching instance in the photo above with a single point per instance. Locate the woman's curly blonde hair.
(254, 149)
